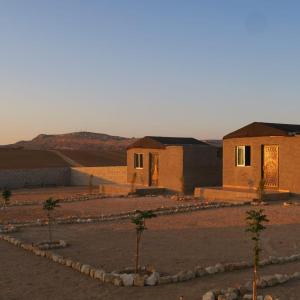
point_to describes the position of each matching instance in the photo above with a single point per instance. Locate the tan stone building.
(263, 150)
(177, 164)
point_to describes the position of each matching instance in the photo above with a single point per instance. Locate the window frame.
(138, 161)
(246, 162)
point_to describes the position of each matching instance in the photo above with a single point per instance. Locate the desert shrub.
(139, 220)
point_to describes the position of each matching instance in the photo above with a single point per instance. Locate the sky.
(147, 67)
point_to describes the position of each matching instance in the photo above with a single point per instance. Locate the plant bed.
(145, 276)
(46, 245)
(8, 229)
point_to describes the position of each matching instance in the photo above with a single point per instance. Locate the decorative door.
(270, 166)
(154, 169)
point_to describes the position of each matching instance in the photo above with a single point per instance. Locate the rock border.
(8, 228)
(161, 211)
(46, 245)
(75, 198)
(245, 290)
(154, 278)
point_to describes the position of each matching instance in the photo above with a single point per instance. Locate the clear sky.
(147, 67)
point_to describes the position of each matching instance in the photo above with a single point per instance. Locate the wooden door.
(271, 166)
(154, 169)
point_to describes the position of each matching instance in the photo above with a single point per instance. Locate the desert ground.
(171, 243)
(18, 158)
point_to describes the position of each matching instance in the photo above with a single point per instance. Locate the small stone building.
(263, 150)
(177, 164)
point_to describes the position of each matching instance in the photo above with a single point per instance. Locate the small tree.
(139, 220)
(49, 205)
(255, 225)
(6, 195)
(261, 190)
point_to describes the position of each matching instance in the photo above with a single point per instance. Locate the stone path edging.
(127, 215)
(77, 198)
(245, 290)
(154, 278)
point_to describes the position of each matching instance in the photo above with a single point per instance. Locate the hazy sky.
(147, 67)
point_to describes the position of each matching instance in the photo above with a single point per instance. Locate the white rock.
(99, 274)
(211, 270)
(85, 269)
(127, 279)
(152, 279)
(209, 296)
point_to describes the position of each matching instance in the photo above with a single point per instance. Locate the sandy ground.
(41, 194)
(24, 276)
(171, 243)
(88, 208)
(203, 237)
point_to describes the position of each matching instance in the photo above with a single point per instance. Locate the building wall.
(82, 175)
(202, 167)
(21, 178)
(249, 177)
(170, 167)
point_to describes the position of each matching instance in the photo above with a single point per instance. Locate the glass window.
(138, 160)
(243, 156)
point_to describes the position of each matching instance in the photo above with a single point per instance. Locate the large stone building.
(177, 164)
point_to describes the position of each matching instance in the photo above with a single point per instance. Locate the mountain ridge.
(81, 140)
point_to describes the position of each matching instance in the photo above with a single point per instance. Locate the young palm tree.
(139, 220)
(261, 190)
(49, 205)
(6, 194)
(255, 225)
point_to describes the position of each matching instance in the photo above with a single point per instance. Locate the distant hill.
(81, 148)
(75, 141)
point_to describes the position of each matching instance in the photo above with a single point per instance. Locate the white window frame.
(140, 161)
(237, 152)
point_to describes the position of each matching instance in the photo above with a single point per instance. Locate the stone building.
(177, 164)
(263, 150)
(267, 151)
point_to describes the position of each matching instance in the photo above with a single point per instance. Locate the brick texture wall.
(20, 178)
(101, 175)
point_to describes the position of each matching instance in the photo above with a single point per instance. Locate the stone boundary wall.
(22, 178)
(74, 176)
(101, 175)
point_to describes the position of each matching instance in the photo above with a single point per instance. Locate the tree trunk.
(254, 282)
(137, 256)
(49, 228)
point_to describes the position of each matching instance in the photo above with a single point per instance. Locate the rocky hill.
(76, 141)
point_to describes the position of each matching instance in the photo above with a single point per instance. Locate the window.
(138, 160)
(243, 156)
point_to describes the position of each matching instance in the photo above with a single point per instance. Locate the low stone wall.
(100, 175)
(22, 178)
